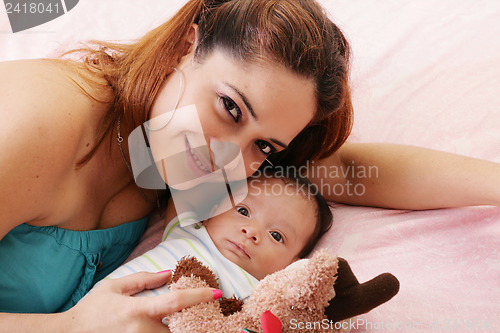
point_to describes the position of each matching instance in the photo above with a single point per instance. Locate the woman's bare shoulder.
(42, 104)
(38, 80)
(43, 119)
(34, 86)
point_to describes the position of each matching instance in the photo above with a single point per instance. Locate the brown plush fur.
(190, 266)
(299, 293)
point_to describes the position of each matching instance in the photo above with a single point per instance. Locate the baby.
(280, 221)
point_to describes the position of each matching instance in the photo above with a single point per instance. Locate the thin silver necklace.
(119, 138)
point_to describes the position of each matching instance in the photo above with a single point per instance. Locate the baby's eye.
(277, 236)
(242, 210)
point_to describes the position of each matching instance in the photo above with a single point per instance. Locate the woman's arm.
(406, 177)
(110, 308)
(14, 322)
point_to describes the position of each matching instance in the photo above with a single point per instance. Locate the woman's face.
(259, 107)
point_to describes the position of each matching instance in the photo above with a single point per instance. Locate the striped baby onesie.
(185, 236)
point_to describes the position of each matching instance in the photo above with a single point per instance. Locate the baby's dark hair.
(309, 191)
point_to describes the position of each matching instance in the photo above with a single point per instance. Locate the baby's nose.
(251, 233)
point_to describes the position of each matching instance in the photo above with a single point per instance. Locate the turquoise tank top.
(48, 269)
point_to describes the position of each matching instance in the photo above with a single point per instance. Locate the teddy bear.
(317, 294)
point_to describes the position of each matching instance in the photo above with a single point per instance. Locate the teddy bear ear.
(310, 280)
(353, 298)
(228, 306)
(190, 266)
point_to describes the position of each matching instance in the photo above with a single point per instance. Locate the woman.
(243, 85)
(92, 188)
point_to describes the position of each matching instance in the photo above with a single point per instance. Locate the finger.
(135, 283)
(142, 325)
(154, 326)
(160, 306)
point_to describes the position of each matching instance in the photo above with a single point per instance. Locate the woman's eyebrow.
(279, 143)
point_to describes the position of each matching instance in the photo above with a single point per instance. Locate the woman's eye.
(231, 108)
(277, 236)
(265, 147)
(243, 211)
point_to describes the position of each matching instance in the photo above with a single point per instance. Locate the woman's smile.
(196, 162)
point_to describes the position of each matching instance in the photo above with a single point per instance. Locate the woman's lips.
(240, 248)
(195, 160)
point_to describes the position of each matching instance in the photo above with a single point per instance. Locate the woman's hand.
(110, 307)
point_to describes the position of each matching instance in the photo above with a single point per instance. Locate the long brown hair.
(296, 34)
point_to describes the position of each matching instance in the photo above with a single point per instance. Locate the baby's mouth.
(241, 248)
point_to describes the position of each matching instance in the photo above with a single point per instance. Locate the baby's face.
(267, 231)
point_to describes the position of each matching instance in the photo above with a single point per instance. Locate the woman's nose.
(233, 155)
(224, 153)
(251, 232)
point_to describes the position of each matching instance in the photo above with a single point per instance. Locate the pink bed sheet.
(425, 73)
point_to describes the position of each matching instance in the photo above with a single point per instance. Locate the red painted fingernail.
(166, 271)
(217, 293)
